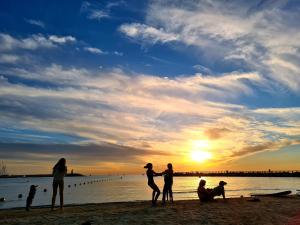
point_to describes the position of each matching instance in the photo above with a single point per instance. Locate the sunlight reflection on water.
(132, 188)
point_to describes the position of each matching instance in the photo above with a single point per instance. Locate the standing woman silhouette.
(168, 183)
(59, 172)
(150, 175)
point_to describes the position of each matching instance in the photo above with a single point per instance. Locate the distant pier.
(270, 173)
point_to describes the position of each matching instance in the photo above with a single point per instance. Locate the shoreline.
(76, 205)
(269, 210)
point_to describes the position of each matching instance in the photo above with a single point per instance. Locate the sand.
(235, 211)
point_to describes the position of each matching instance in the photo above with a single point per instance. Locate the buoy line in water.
(20, 195)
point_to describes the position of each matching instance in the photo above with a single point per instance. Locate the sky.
(112, 85)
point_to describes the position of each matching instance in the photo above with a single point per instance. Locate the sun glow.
(200, 156)
(199, 151)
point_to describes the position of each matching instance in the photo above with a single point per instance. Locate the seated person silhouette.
(203, 193)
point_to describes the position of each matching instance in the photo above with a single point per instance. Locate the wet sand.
(235, 211)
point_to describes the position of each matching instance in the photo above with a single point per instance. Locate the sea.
(99, 189)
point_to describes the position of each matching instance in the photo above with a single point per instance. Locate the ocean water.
(132, 188)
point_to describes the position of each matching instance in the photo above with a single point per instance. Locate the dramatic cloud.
(210, 76)
(91, 153)
(263, 35)
(147, 112)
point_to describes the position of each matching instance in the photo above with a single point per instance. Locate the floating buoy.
(20, 195)
(45, 190)
(2, 199)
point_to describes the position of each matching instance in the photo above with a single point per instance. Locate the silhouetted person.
(168, 178)
(59, 172)
(30, 197)
(150, 175)
(204, 194)
(219, 190)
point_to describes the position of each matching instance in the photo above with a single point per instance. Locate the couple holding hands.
(168, 178)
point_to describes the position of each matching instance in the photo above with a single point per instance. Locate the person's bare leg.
(61, 194)
(54, 193)
(165, 192)
(164, 198)
(157, 195)
(153, 195)
(171, 194)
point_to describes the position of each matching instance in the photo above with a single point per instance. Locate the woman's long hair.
(60, 165)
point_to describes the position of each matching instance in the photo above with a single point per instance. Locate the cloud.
(7, 42)
(138, 110)
(261, 36)
(98, 14)
(95, 11)
(36, 23)
(9, 58)
(83, 153)
(94, 50)
(216, 133)
(118, 53)
(202, 69)
(35, 41)
(147, 33)
(143, 117)
(61, 39)
(115, 4)
(264, 147)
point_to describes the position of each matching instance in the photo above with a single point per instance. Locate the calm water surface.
(132, 188)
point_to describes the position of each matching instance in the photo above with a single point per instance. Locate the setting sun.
(200, 156)
(199, 150)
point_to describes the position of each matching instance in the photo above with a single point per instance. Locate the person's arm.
(163, 173)
(157, 174)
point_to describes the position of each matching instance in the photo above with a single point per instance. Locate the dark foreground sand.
(269, 210)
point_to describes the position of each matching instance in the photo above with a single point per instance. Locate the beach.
(235, 211)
